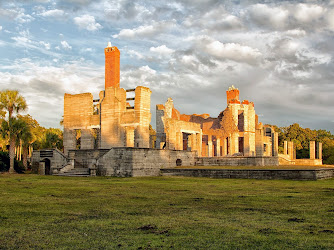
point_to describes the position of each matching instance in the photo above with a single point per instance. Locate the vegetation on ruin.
(164, 212)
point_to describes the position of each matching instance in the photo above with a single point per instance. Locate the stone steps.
(80, 172)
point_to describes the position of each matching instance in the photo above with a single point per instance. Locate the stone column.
(319, 150)
(87, 139)
(312, 150)
(199, 144)
(285, 147)
(130, 137)
(246, 148)
(210, 146)
(291, 150)
(218, 147)
(41, 168)
(274, 137)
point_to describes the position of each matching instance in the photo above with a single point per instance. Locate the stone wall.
(252, 173)
(126, 162)
(57, 159)
(237, 161)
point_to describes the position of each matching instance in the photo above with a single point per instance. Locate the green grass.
(164, 212)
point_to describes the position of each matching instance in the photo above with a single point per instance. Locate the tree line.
(301, 138)
(21, 134)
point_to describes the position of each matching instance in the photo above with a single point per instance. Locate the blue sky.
(278, 53)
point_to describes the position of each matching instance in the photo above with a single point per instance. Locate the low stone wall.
(308, 162)
(237, 161)
(132, 162)
(84, 158)
(252, 173)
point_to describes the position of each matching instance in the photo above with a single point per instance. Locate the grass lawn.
(164, 212)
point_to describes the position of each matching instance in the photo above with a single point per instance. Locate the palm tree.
(13, 102)
(26, 138)
(12, 129)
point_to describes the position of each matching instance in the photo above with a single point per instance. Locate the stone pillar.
(130, 137)
(218, 147)
(210, 146)
(312, 150)
(69, 140)
(291, 150)
(285, 147)
(87, 139)
(179, 141)
(259, 142)
(199, 144)
(274, 138)
(41, 168)
(246, 144)
(319, 150)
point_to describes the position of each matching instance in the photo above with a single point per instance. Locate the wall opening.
(47, 166)
(241, 145)
(185, 138)
(241, 121)
(178, 162)
(78, 138)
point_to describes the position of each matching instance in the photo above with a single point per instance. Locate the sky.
(279, 54)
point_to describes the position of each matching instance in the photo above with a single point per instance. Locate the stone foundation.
(237, 161)
(264, 174)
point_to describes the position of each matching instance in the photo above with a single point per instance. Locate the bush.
(4, 163)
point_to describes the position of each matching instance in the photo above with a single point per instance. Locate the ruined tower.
(112, 68)
(232, 95)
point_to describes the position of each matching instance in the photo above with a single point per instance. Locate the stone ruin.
(111, 135)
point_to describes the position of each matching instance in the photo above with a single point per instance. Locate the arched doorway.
(47, 166)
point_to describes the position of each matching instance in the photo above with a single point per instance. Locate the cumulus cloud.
(45, 44)
(87, 22)
(17, 14)
(162, 50)
(265, 15)
(0, 27)
(308, 13)
(53, 13)
(233, 51)
(65, 45)
(144, 30)
(217, 19)
(50, 83)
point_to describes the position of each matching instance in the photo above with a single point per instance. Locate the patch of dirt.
(326, 231)
(296, 220)
(267, 231)
(147, 227)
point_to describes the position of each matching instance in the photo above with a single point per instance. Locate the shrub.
(4, 163)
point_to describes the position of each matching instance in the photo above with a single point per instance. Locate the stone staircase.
(75, 172)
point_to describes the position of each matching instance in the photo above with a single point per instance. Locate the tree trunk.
(25, 157)
(11, 154)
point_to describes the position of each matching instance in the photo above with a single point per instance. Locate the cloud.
(144, 30)
(215, 20)
(308, 13)
(17, 14)
(0, 27)
(65, 45)
(53, 13)
(266, 16)
(87, 22)
(162, 50)
(233, 51)
(49, 83)
(46, 45)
